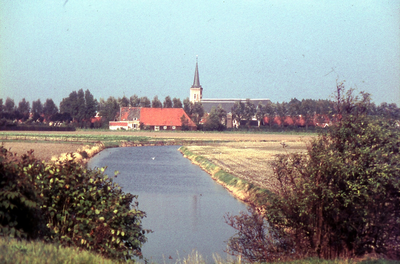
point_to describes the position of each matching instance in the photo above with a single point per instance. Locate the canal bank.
(241, 189)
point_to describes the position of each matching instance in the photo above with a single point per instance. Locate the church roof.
(227, 104)
(196, 81)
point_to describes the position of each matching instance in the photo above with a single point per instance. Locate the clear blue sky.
(272, 49)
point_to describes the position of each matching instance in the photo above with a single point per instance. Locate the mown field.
(49, 144)
(248, 160)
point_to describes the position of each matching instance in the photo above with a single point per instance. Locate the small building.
(156, 119)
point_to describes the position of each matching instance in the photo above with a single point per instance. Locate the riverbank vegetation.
(338, 200)
(13, 251)
(62, 202)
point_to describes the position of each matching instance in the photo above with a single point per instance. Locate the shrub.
(80, 207)
(342, 198)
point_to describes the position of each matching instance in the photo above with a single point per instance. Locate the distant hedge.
(36, 128)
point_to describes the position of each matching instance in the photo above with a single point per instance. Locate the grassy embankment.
(22, 252)
(243, 168)
(240, 188)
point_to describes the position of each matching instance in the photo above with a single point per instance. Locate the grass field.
(247, 160)
(48, 144)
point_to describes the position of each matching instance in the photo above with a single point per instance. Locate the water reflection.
(184, 206)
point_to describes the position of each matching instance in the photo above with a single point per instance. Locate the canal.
(185, 208)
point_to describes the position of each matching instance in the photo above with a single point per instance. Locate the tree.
(91, 105)
(108, 109)
(37, 109)
(167, 102)
(49, 109)
(177, 103)
(123, 102)
(341, 198)
(294, 110)
(389, 111)
(144, 102)
(249, 112)
(260, 113)
(81, 106)
(214, 121)
(307, 110)
(270, 113)
(185, 123)
(187, 106)
(282, 112)
(24, 109)
(70, 105)
(325, 110)
(197, 112)
(238, 112)
(9, 106)
(156, 103)
(134, 101)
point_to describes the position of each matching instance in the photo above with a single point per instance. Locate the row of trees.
(80, 106)
(310, 111)
(9, 110)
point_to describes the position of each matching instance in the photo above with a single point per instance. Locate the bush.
(342, 198)
(66, 203)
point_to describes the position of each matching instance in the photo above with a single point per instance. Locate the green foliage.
(37, 252)
(80, 207)
(168, 102)
(342, 198)
(19, 199)
(216, 119)
(177, 103)
(156, 103)
(197, 112)
(80, 105)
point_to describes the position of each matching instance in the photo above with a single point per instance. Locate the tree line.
(80, 108)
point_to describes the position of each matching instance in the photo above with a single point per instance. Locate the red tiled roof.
(118, 123)
(129, 113)
(164, 117)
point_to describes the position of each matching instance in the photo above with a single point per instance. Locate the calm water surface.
(184, 206)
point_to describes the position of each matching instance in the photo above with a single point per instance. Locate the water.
(185, 208)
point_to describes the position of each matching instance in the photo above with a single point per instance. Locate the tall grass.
(23, 252)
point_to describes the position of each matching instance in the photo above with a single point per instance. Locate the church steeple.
(196, 91)
(196, 81)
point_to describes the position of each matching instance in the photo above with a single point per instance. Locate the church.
(196, 95)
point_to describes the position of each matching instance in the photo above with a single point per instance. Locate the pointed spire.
(196, 81)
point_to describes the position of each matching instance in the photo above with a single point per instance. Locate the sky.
(275, 49)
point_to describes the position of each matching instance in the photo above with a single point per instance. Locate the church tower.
(196, 91)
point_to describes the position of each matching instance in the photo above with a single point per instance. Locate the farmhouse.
(156, 119)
